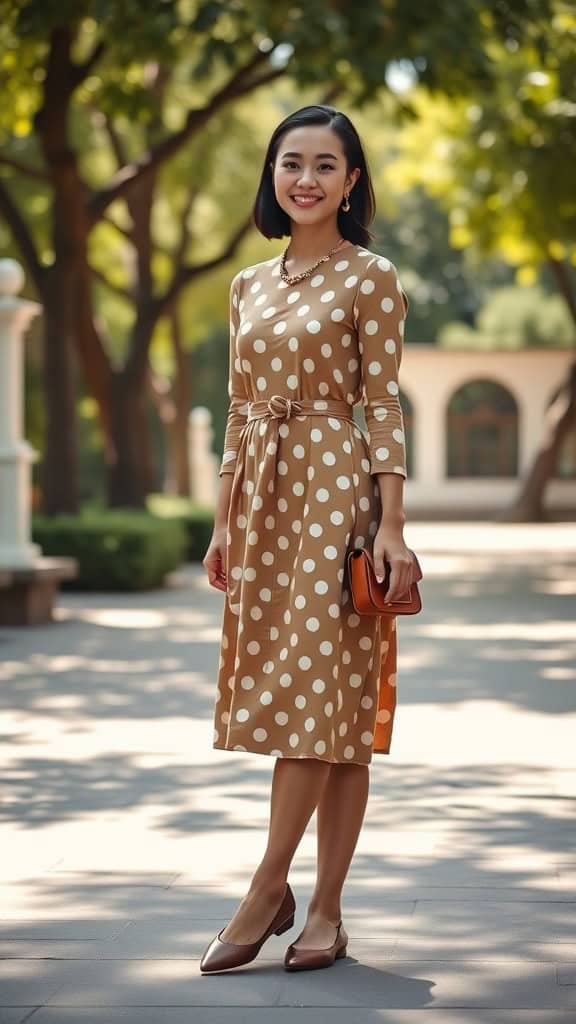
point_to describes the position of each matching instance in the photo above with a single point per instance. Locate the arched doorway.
(482, 431)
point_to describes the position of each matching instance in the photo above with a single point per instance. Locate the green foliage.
(198, 521)
(514, 318)
(116, 550)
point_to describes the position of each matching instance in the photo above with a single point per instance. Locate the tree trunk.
(173, 401)
(129, 476)
(528, 506)
(59, 471)
(560, 421)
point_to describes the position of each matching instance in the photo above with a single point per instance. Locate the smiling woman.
(301, 677)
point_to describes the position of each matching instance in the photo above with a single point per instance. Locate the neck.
(311, 242)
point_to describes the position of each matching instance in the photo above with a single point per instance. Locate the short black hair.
(269, 217)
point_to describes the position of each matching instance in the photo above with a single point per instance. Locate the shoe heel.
(284, 927)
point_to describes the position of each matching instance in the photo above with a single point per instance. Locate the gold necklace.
(295, 278)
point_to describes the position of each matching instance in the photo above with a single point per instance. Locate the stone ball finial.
(11, 277)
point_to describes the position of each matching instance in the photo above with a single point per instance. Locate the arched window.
(408, 418)
(482, 431)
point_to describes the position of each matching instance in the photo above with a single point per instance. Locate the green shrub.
(198, 521)
(117, 549)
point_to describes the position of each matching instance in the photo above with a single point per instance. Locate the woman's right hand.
(214, 560)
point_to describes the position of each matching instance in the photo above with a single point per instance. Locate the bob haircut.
(269, 217)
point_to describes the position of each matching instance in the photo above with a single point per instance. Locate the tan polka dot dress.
(300, 673)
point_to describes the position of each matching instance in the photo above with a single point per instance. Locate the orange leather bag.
(368, 595)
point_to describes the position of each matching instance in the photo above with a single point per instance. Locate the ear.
(353, 177)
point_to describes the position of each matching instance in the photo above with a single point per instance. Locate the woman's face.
(309, 174)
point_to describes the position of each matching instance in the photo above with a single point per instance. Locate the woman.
(302, 677)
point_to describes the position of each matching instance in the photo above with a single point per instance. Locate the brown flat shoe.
(222, 956)
(312, 959)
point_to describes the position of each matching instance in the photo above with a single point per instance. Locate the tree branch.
(185, 274)
(118, 289)
(22, 236)
(81, 71)
(29, 172)
(129, 175)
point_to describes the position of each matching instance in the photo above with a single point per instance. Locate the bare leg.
(340, 815)
(297, 786)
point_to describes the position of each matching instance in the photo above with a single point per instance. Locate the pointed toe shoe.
(222, 956)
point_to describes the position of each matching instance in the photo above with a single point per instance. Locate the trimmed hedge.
(116, 549)
(198, 521)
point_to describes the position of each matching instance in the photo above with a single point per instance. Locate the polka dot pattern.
(300, 674)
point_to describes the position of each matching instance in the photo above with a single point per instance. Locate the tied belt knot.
(279, 407)
(283, 408)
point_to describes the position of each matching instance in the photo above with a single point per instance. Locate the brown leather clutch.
(368, 595)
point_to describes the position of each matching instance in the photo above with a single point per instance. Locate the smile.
(306, 200)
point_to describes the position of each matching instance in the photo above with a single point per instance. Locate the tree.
(501, 163)
(129, 61)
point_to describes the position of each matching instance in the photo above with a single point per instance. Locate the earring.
(347, 206)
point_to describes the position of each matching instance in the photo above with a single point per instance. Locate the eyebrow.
(318, 155)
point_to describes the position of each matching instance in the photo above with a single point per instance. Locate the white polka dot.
(380, 413)
(317, 280)
(260, 735)
(341, 265)
(367, 286)
(330, 551)
(261, 383)
(371, 326)
(313, 326)
(302, 310)
(253, 647)
(259, 345)
(298, 489)
(367, 738)
(309, 724)
(293, 297)
(366, 703)
(304, 662)
(298, 451)
(337, 315)
(384, 264)
(326, 351)
(390, 345)
(387, 305)
(398, 435)
(309, 365)
(294, 739)
(321, 586)
(309, 565)
(329, 709)
(247, 683)
(293, 344)
(256, 612)
(292, 381)
(267, 313)
(382, 454)
(316, 434)
(242, 715)
(280, 327)
(276, 364)
(312, 624)
(281, 718)
(392, 387)
(326, 647)
(355, 680)
(327, 296)
(318, 686)
(337, 518)
(322, 494)
(374, 368)
(285, 680)
(365, 642)
(348, 752)
(328, 458)
(351, 281)
(266, 697)
(315, 530)
(320, 747)
(343, 482)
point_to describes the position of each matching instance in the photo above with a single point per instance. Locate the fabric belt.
(279, 407)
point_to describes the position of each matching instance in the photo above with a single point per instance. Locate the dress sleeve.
(380, 311)
(238, 407)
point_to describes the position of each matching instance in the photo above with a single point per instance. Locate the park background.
(131, 141)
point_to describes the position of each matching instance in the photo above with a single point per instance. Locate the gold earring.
(347, 207)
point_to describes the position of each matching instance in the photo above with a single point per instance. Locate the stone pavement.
(127, 841)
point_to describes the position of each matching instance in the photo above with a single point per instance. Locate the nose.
(307, 178)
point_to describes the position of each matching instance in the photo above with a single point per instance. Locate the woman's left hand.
(389, 545)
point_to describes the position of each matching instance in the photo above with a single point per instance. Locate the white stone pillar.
(16, 455)
(202, 462)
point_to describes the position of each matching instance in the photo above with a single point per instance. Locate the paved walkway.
(127, 841)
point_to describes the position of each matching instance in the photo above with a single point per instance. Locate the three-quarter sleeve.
(380, 311)
(238, 406)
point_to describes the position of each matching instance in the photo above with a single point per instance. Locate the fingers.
(216, 572)
(400, 574)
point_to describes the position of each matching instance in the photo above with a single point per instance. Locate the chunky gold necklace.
(295, 278)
